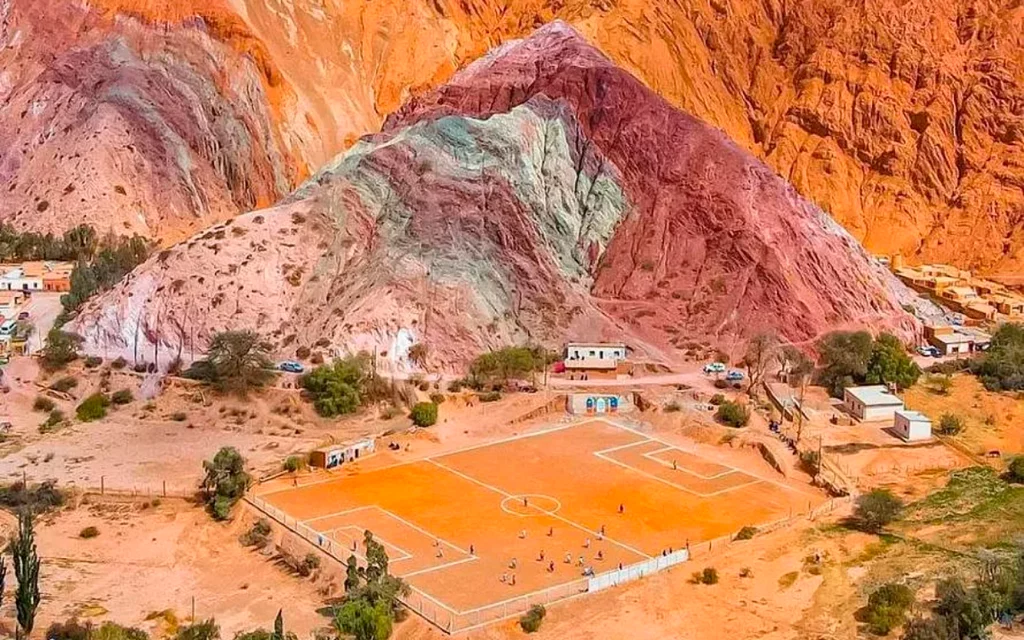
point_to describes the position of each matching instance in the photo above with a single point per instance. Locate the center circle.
(530, 504)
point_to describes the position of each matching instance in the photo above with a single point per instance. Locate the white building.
(21, 278)
(873, 402)
(912, 425)
(595, 351)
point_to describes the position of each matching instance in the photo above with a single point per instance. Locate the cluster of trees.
(79, 243)
(1001, 368)
(107, 262)
(848, 358)
(225, 482)
(371, 602)
(497, 368)
(236, 362)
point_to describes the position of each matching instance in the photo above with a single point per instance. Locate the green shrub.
(709, 576)
(44, 404)
(258, 535)
(877, 509)
(294, 463)
(1015, 470)
(887, 608)
(489, 396)
(437, 398)
(93, 408)
(92, 362)
(950, 424)
(112, 631)
(672, 407)
(225, 482)
(721, 384)
(338, 388)
(530, 621)
(69, 630)
(89, 532)
(456, 386)
(733, 414)
(118, 363)
(810, 461)
(424, 414)
(65, 384)
(746, 533)
(308, 565)
(717, 399)
(55, 418)
(122, 396)
(38, 499)
(179, 416)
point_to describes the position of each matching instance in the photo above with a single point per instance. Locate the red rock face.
(715, 243)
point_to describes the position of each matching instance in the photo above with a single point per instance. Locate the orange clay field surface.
(452, 524)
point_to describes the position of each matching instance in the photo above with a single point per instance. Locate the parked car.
(928, 352)
(291, 366)
(714, 367)
(23, 315)
(734, 376)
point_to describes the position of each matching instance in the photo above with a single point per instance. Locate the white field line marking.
(337, 513)
(665, 463)
(672, 484)
(425, 532)
(482, 445)
(438, 567)
(359, 533)
(755, 475)
(553, 515)
(624, 446)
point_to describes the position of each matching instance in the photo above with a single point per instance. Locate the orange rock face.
(905, 120)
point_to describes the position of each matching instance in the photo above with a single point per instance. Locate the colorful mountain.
(542, 194)
(901, 119)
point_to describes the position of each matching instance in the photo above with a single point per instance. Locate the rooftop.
(874, 396)
(613, 345)
(913, 416)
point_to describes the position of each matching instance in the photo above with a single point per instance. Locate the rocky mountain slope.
(543, 193)
(131, 128)
(902, 119)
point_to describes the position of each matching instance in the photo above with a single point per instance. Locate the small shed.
(337, 454)
(873, 402)
(912, 426)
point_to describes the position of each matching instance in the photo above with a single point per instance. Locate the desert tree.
(26, 570)
(762, 350)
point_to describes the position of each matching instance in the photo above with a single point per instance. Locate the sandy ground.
(154, 559)
(993, 420)
(150, 559)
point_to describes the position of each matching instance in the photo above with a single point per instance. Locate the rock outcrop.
(543, 193)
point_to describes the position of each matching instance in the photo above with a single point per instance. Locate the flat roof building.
(874, 402)
(912, 426)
